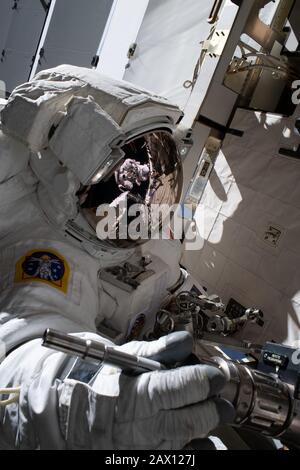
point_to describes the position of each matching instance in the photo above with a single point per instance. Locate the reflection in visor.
(150, 173)
(131, 173)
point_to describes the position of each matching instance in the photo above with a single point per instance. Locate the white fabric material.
(159, 410)
(91, 132)
(2, 103)
(168, 45)
(43, 99)
(9, 167)
(88, 300)
(146, 300)
(45, 102)
(26, 196)
(251, 188)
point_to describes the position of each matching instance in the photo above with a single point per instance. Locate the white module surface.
(168, 47)
(252, 225)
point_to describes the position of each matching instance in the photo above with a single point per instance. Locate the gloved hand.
(154, 410)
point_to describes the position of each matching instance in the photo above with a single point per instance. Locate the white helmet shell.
(78, 123)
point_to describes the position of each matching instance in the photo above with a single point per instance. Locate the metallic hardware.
(227, 326)
(203, 171)
(128, 276)
(213, 16)
(97, 352)
(266, 399)
(215, 46)
(95, 61)
(204, 316)
(131, 50)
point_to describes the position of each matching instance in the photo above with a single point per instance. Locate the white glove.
(155, 410)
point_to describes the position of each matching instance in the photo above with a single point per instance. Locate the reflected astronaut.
(70, 141)
(131, 173)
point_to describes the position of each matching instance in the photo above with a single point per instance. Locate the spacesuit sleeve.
(63, 406)
(32, 421)
(39, 419)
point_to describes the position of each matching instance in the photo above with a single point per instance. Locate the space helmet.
(95, 141)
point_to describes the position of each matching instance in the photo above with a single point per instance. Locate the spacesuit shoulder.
(14, 157)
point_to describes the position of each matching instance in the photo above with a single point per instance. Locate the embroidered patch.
(44, 266)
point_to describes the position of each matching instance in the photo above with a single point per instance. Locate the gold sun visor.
(150, 173)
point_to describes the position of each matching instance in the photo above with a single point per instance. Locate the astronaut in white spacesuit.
(63, 138)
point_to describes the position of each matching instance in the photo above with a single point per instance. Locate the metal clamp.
(213, 16)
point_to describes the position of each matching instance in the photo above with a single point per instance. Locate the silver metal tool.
(266, 398)
(97, 352)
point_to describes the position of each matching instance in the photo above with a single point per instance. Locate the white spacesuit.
(63, 137)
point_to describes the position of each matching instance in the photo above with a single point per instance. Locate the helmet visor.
(150, 174)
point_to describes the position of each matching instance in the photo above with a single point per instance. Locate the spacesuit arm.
(155, 410)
